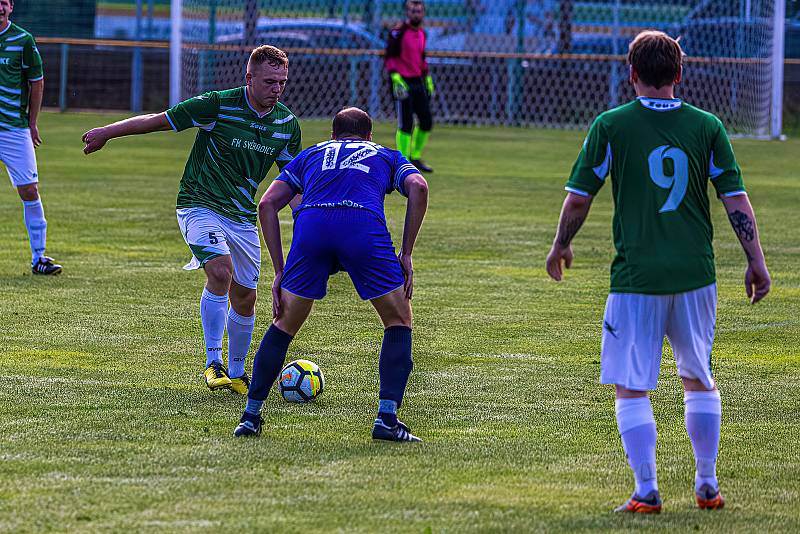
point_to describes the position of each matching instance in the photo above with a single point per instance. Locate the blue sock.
(254, 406)
(37, 227)
(268, 362)
(213, 311)
(387, 412)
(395, 365)
(703, 413)
(637, 428)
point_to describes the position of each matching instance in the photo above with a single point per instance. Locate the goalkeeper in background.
(412, 84)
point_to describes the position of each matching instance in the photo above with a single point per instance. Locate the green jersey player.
(241, 133)
(661, 153)
(21, 89)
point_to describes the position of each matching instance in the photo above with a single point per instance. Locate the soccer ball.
(301, 381)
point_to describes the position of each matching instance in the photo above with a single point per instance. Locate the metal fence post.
(63, 71)
(136, 64)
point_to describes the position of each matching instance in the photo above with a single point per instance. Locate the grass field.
(106, 425)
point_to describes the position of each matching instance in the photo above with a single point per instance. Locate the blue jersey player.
(340, 226)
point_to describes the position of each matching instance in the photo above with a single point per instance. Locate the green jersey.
(661, 155)
(233, 150)
(20, 63)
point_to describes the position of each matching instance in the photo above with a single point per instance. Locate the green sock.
(419, 140)
(403, 142)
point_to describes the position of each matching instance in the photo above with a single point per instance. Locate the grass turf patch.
(107, 424)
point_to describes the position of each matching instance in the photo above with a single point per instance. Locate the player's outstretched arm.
(274, 200)
(96, 138)
(573, 213)
(417, 189)
(743, 220)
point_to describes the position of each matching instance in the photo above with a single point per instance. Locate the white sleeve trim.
(36, 79)
(577, 192)
(734, 194)
(166, 114)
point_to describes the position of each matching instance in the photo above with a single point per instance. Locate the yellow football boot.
(217, 377)
(240, 384)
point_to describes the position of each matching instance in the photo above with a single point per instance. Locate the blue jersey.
(349, 173)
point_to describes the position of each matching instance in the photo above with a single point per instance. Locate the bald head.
(352, 122)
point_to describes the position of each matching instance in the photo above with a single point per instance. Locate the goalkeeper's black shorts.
(416, 103)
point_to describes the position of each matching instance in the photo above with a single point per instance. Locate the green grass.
(107, 426)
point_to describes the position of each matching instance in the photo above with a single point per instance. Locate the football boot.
(709, 498)
(240, 384)
(398, 432)
(46, 266)
(216, 376)
(249, 426)
(649, 504)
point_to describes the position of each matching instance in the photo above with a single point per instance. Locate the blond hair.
(268, 54)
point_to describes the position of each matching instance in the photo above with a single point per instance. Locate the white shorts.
(634, 327)
(210, 235)
(17, 153)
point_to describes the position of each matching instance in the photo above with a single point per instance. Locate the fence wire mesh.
(512, 62)
(554, 63)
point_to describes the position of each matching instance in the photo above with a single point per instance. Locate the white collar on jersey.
(8, 27)
(660, 104)
(260, 115)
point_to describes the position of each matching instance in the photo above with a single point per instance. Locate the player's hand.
(276, 295)
(35, 137)
(95, 139)
(554, 259)
(408, 273)
(429, 87)
(757, 281)
(399, 86)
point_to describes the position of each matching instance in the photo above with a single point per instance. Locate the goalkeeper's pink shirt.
(411, 63)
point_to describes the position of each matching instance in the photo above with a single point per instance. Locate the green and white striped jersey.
(233, 151)
(20, 63)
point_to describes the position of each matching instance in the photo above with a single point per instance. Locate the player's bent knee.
(395, 312)
(694, 384)
(243, 302)
(625, 393)
(28, 192)
(219, 271)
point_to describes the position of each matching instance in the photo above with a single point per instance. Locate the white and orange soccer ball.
(301, 381)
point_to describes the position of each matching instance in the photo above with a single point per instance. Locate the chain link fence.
(553, 63)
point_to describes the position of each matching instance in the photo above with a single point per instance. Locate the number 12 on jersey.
(331, 157)
(678, 180)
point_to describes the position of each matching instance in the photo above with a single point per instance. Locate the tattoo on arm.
(743, 226)
(567, 229)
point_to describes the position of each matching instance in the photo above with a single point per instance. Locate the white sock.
(703, 415)
(637, 428)
(37, 227)
(240, 334)
(213, 310)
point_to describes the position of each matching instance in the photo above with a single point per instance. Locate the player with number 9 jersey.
(660, 154)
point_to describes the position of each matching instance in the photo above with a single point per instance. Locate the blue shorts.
(328, 240)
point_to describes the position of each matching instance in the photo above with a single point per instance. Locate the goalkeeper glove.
(429, 85)
(399, 86)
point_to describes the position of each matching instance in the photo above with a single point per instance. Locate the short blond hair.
(657, 58)
(268, 54)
